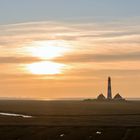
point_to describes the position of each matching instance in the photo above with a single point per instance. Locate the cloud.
(90, 41)
(76, 58)
(96, 32)
(78, 75)
(18, 60)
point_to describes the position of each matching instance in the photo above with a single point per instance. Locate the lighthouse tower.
(109, 92)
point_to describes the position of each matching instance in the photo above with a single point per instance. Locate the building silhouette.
(117, 97)
(109, 91)
(101, 97)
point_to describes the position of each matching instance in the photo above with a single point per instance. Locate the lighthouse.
(109, 91)
(117, 97)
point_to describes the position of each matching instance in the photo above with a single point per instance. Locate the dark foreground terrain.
(70, 120)
(68, 133)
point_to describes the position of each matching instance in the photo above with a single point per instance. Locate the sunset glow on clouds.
(58, 59)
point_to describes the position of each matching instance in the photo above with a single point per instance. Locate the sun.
(45, 68)
(48, 49)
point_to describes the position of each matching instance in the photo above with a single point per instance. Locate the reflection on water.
(15, 115)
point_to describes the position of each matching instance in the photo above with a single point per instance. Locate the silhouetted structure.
(118, 97)
(109, 91)
(101, 97)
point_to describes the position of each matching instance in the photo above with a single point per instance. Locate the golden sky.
(46, 60)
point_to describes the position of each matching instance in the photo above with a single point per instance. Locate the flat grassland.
(70, 120)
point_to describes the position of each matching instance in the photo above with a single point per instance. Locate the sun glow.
(48, 49)
(44, 68)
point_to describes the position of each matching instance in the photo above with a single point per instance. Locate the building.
(117, 97)
(101, 97)
(109, 91)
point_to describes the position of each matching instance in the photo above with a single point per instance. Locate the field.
(70, 120)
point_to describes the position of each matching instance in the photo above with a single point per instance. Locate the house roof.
(118, 96)
(101, 97)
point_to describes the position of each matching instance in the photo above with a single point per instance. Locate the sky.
(66, 49)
